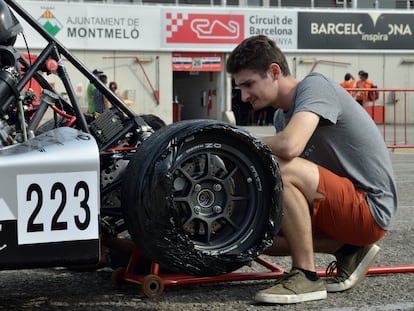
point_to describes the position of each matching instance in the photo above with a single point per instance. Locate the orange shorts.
(343, 214)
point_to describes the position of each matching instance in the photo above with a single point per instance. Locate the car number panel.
(49, 201)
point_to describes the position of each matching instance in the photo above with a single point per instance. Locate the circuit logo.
(204, 28)
(50, 23)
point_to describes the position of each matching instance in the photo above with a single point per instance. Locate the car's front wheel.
(202, 197)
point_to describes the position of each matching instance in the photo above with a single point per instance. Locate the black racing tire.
(202, 197)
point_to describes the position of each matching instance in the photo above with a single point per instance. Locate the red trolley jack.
(154, 283)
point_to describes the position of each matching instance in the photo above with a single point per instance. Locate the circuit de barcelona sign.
(355, 31)
(92, 26)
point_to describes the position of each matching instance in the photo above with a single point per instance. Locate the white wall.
(385, 70)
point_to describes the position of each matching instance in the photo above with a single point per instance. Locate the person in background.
(362, 83)
(339, 192)
(349, 82)
(101, 102)
(113, 86)
(89, 92)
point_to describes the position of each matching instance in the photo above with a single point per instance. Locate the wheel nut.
(217, 187)
(217, 209)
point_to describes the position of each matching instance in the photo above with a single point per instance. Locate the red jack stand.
(153, 284)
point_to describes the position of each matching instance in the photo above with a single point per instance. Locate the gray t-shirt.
(347, 142)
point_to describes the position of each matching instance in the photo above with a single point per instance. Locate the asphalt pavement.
(389, 286)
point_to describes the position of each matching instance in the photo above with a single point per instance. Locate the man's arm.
(107, 103)
(291, 142)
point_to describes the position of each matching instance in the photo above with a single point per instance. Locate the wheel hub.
(205, 198)
(208, 199)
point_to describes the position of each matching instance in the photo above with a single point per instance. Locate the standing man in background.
(89, 92)
(100, 101)
(363, 83)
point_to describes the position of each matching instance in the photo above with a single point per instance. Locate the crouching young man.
(339, 193)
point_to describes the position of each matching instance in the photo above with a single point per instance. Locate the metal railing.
(393, 112)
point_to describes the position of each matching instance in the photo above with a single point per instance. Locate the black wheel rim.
(215, 193)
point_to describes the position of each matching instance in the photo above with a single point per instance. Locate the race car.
(200, 197)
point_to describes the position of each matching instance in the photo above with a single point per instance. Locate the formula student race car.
(200, 197)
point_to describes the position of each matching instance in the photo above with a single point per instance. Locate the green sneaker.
(351, 268)
(293, 287)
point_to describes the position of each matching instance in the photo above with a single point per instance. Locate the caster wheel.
(152, 286)
(117, 278)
